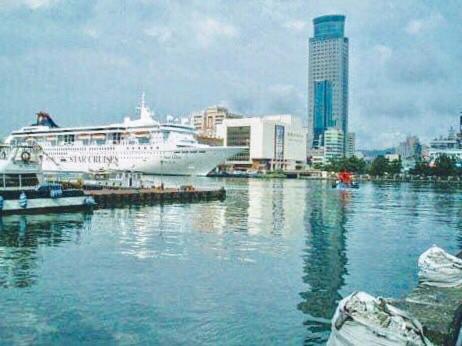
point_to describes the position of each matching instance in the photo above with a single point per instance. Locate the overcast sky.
(87, 62)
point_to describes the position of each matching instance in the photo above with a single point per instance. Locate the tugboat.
(23, 189)
(345, 181)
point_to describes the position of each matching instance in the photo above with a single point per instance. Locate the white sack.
(361, 319)
(440, 269)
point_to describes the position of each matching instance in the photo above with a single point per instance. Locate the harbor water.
(265, 266)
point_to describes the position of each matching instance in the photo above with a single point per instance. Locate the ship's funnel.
(44, 119)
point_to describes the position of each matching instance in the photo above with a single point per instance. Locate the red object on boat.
(345, 177)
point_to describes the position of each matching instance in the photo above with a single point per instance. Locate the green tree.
(350, 164)
(445, 165)
(395, 167)
(421, 168)
(379, 166)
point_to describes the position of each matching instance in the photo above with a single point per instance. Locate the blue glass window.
(322, 110)
(329, 27)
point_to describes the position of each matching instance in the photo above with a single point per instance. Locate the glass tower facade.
(322, 112)
(327, 79)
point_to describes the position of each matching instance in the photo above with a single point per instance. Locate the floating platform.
(108, 197)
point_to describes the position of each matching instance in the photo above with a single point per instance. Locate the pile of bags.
(361, 319)
(439, 269)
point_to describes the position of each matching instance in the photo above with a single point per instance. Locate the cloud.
(383, 53)
(90, 32)
(414, 27)
(32, 4)
(162, 34)
(295, 25)
(209, 30)
(91, 58)
(417, 26)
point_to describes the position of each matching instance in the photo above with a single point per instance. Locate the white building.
(350, 144)
(333, 144)
(274, 141)
(392, 157)
(449, 146)
(206, 122)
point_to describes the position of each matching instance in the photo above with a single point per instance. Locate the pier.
(109, 197)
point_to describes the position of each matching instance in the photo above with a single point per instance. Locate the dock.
(109, 197)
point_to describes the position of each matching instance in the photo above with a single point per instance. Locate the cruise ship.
(140, 145)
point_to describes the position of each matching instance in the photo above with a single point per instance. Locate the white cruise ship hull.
(185, 161)
(141, 145)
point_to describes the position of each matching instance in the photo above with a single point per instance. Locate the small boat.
(345, 181)
(23, 189)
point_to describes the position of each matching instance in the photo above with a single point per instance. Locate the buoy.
(25, 156)
(56, 191)
(23, 200)
(89, 201)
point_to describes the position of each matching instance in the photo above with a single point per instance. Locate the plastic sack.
(439, 269)
(361, 319)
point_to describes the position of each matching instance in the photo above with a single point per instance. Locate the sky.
(88, 61)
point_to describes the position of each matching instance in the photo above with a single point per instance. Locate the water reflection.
(324, 259)
(21, 237)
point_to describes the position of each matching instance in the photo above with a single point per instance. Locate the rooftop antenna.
(142, 99)
(145, 113)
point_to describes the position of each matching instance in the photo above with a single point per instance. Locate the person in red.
(345, 177)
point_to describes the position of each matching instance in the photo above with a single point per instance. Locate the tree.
(350, 164)
(421, 168)
(445, 165)
(394, 167)
(379, 166)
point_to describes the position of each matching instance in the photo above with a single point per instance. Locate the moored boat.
(23, 189)
(140, 145)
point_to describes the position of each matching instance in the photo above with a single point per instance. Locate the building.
(316, 157)
(410, 148)
(409, 152)
(327, 79)
(274, 142)
(350, 144)
(392, 157)
(334, 142)
(450, 146)
(206, 122)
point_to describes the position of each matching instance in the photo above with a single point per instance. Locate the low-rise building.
(206, 122)
(316, 156)
(275, 142)
(392, 157)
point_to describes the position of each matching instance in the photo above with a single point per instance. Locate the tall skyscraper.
(327, 79)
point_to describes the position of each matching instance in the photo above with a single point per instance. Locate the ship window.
(68, 139)
(116, 137)
(16, 180)
(11, 180)
(29, 180)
